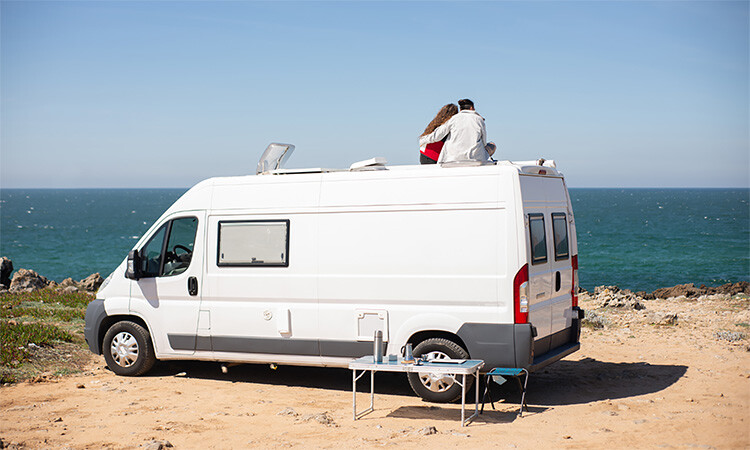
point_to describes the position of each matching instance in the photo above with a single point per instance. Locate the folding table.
(460, 367)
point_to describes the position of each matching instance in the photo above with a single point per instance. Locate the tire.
(438, 388)
(128, 349)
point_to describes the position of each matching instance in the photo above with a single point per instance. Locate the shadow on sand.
(563, 383)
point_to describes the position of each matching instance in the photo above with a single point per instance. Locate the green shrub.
(15, 339)
(64, 314)
(47, 296)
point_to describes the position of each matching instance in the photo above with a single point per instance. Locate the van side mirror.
(133, 268)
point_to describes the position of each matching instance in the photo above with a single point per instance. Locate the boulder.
(690, 291)
(6, 268)
(69, 290)
(664, 319)
(91, 283)
(155, 444)
(595, 320)
(27, 281)
(612, 296)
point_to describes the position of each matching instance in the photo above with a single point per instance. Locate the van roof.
(533, 167)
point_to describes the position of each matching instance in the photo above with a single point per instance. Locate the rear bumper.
(559, 345)
(513, 345)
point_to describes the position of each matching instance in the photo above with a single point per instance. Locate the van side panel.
(410, 260)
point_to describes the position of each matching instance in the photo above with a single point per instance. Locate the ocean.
(639, 239)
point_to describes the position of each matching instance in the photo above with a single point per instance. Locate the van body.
(303, 267)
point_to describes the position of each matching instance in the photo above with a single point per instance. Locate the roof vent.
(377, 163)
(275, 156)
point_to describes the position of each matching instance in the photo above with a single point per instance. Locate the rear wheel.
(433, 387)
(127, 349)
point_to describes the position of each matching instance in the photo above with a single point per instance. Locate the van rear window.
(560, 230)
(253, 243)
(538, 239)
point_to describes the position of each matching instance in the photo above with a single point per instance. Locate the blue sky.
(165, 94)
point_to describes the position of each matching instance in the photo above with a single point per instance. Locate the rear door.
(562, 271)
(540, 272)
(549, 254)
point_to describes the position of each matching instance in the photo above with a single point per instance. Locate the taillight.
(574, 289)
(521, 295)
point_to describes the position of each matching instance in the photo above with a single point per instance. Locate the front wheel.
(438, 388)
(128, 350)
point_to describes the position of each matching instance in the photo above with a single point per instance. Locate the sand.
(633, 384)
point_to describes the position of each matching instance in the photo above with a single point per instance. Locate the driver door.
(168, 294)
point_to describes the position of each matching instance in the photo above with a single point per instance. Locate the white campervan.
(302, 267)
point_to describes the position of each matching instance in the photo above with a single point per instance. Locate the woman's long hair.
(445, 113)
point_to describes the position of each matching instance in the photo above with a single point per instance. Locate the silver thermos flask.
(377, 347)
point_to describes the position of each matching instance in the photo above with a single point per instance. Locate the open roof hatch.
(275, 156)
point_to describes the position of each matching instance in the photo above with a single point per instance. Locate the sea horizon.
(636, 238)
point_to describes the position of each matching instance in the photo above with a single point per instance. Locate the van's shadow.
(563, 383)
(590, 380)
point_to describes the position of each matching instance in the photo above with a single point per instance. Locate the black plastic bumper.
(95, 315)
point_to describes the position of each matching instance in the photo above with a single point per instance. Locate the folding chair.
(507, 372)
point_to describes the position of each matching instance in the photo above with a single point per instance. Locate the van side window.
(170, 250)
(538, 239)
(560, 231)
(253, 243)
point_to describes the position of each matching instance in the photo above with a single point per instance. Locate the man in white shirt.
(467, 136)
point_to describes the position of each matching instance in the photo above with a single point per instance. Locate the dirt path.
(633, 384)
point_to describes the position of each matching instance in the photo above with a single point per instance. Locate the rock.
(612, 296)
(664, 319)
(158, 444)
(27, 281)
(6, 268)
(731, 336)
(8, 445)
(69, 290)
(322, 418)
(287, 412)
(690, 291)
(595, 320)
(67, 283)
(91, 283)
(426, 431)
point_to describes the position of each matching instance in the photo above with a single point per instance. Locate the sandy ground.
(633, 385)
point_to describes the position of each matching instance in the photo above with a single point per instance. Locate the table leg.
(354, 394)
(463, 401)
(476, 394)
(356, 377)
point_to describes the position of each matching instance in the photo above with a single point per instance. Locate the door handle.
(192, 286)
(557, 281)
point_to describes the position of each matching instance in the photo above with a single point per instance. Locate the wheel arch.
(421, 336)
(111, 320)
(424, 326)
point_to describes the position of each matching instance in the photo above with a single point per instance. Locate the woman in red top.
(429, 153)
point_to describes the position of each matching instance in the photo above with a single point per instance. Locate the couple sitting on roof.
(455, 135)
